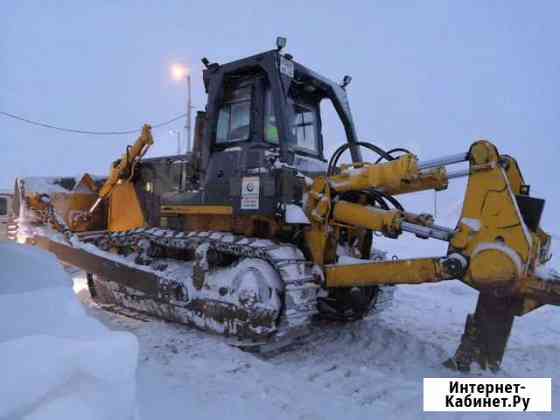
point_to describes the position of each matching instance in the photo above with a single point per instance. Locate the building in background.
(6, 212)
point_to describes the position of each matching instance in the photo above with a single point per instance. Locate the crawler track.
(187, 292)
(258, 293)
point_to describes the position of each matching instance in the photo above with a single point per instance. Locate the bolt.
(455, 265)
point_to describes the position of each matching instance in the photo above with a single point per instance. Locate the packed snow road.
(368, 369)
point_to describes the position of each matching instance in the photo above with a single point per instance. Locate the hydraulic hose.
(333, 162)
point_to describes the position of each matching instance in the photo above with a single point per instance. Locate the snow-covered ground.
(59, 361)
(368, 369)
(55, 361)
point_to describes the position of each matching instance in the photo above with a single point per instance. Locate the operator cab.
(261, 130)
(234, 118)
(268, 102)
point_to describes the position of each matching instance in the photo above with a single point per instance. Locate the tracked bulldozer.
(254, 234)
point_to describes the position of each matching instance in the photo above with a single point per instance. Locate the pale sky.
(431, 75)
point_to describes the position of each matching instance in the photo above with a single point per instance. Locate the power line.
(95, 133)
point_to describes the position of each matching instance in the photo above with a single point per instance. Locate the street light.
(180, 72)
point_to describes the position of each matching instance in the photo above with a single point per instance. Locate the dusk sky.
(433, 76)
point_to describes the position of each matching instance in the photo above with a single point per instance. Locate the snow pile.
(44, 185)
(57, 362)
(547, 273)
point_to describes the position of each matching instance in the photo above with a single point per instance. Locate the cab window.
(303, 124)
(234, 117)
(270, 127)
(304, 127)
(3, 206)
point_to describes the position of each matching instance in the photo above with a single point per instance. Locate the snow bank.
(547, 273)
(56, 361)
(43, 185)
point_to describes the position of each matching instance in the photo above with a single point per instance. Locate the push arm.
(492, 247)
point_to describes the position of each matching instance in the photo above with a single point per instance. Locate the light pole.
(180, 72)
(189, 114)
(178, 134)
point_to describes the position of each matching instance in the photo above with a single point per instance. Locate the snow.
(295, 214)
(56, 361)
(473, 224)
(367, 369)
(348, 260)
(43, 185)
(545, 272)
(304, 164)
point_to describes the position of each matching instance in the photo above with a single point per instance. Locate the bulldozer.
(255, 234)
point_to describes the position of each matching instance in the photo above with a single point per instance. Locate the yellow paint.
(367, 217)
(124, 167)
(412, 271)
(501, 251)
(493, 268)
(490, 201)
(399, 176)
(73, 206)
(125, 211)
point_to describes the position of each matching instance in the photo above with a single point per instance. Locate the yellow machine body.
(491, 238)
(124, 167)
(71, 205)
(125, 211)
(399, 176)
(413, 271)
(491, 249)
